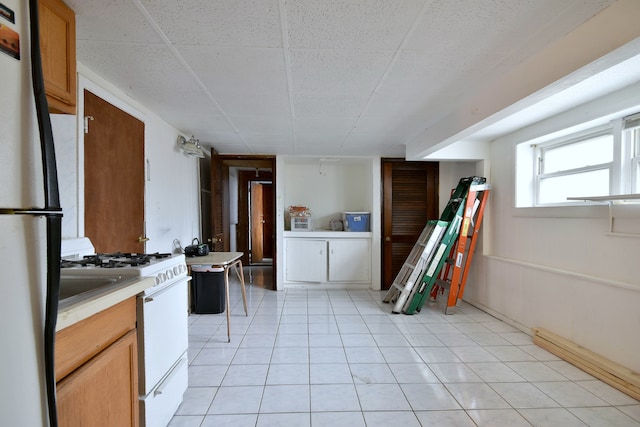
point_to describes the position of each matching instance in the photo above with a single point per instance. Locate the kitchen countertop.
(329, 234)
(83, 305)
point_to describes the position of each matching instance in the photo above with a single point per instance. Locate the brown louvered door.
(410, 199)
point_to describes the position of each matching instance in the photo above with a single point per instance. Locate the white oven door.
(162, 332)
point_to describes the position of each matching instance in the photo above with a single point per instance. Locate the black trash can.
(207, 290)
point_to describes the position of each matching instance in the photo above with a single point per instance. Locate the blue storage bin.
(356, 221)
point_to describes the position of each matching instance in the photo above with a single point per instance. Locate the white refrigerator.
(30, 221)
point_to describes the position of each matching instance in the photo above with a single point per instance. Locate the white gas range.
(162, 312)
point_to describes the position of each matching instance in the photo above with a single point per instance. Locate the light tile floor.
(340, 358)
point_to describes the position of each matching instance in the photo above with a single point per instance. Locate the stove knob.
(169, 274)
(176, 270)
(161, 278)
(157, 280)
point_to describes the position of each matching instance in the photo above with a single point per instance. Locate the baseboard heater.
(604, 369)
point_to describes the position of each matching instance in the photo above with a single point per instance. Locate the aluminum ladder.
(402, 289)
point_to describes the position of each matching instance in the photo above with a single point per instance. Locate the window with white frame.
(632, 134)
(600, 161)
(574, 167)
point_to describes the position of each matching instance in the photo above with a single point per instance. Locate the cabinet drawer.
(81, 341)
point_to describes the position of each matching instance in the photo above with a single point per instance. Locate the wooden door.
(260, 214)
(409, 199)
(113, 177)
(255, 215)
(268, 232)
(219, 203)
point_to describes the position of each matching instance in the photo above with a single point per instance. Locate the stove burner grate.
(114, 260)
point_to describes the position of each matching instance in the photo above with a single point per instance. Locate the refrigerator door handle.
(52, 211)
(35, 212)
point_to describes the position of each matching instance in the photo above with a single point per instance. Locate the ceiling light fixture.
(190, 148)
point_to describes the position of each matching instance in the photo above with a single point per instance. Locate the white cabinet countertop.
(321, 234)
(85, 304)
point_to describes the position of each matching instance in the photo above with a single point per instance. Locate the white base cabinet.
(306, 260)
(317, 259)
(349, 260)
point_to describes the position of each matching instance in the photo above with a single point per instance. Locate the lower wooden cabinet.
(103, 391)
(97, 369)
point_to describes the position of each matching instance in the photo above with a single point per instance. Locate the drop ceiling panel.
(114, 20)
(218, 23)
(322, 105)
(260, 85)
(319, 125)
(337, 72)
(343, 24)
(132, 66)
(262, 140)
(262, 124)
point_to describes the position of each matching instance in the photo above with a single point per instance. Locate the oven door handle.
(173, 372)
(165, 289)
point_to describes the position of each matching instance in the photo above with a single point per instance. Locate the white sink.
(75, 285)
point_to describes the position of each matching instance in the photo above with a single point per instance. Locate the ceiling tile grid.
(310, 77)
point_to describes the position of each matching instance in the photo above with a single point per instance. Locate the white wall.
(557, 268)
(171, 186)
(328, 189)
(352, 184)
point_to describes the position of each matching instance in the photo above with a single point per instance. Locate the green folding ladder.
(423, 290)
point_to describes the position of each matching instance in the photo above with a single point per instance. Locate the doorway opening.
(242, 211)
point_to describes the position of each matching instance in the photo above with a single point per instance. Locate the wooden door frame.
(253, 161)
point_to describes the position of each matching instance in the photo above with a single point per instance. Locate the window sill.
(613, 198)
(616, 199)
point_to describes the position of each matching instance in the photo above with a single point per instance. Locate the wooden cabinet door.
(306, 260)
(104, 391)
(350, 260)
(58, 51)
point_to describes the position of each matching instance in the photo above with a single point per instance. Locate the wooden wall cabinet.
(58, 50)
(97, 369)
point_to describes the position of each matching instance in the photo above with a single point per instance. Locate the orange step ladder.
(459, 263)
